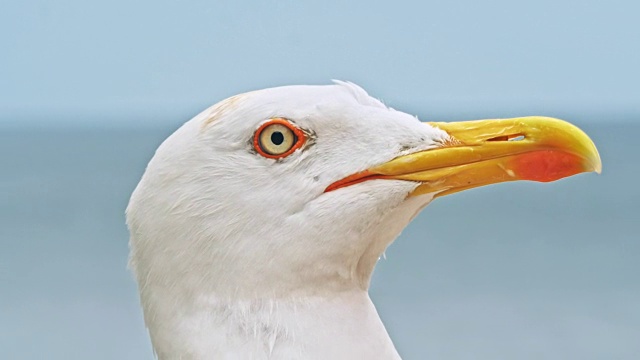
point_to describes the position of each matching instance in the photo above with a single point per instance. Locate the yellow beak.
(486, 152)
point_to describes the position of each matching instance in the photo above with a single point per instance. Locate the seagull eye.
(278, 138)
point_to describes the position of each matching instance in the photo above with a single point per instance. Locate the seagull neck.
(342, 325)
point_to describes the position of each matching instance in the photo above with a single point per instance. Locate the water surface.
(512, 271)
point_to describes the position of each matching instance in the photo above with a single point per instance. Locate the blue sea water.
(511, 271)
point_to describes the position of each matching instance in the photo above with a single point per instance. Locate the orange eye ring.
(289, 138)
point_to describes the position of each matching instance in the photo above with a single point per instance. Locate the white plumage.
(240, 256)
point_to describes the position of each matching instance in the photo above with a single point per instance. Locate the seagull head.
(301, 188)
(297, 191)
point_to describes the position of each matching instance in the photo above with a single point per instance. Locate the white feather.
(242, 257)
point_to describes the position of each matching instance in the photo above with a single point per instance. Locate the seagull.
(256, 226)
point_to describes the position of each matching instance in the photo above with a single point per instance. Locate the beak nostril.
(513, 137)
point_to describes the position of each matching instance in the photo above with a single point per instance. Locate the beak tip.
(595, 160)
(598, 167)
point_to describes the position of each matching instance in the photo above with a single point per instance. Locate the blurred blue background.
(88, 90)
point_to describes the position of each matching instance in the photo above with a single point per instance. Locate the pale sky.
(147, 62)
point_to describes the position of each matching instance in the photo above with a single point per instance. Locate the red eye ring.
(299, 138)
